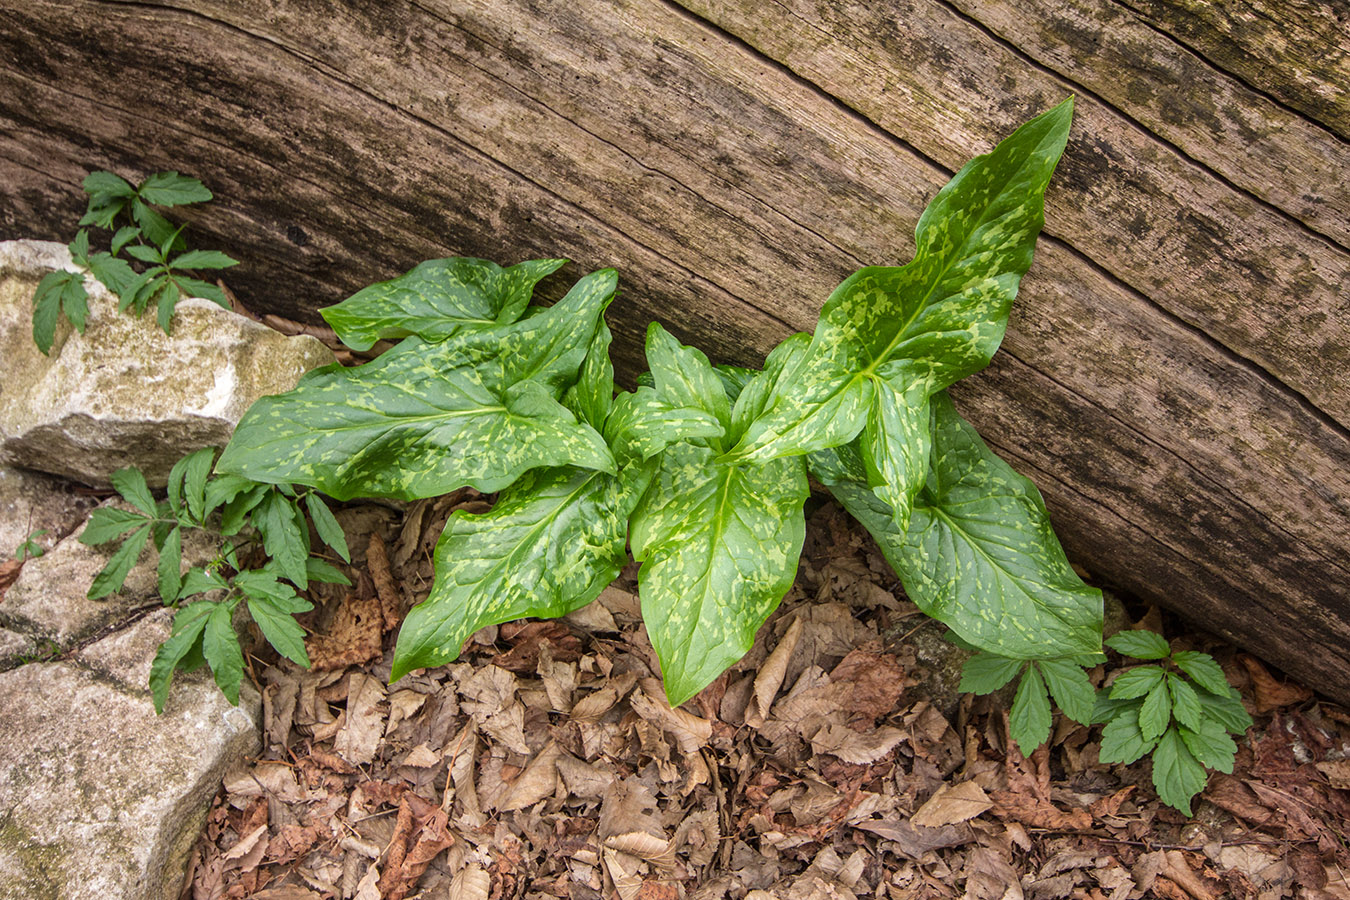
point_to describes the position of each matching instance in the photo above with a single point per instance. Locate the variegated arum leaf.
(478, 409)
(437, 298)
(718, 542)
(889, 337)
(979, 554)
(643, 423)
(591, 398)
(549, 545)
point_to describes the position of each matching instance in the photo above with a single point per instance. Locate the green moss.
(43, 877)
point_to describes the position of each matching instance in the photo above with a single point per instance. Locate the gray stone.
(12, 646)
(124, 393)
(31, 501)
(48, 600)
(99, 797)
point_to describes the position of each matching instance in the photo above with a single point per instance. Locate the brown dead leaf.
(770, 677)
(1110, 806)
(869, 683)
(356, 634)
(1269, 693)
(1176, 869)
(9, 573)
(951, 805)
(914, 841)
(854, 747)
(527, 638)
(420, 834)
(691, 732)
(537, 782)
(1337, 772)
(470, 883)
(289, 892)
(360, 736)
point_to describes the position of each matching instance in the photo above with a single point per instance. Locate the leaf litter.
(834, 762)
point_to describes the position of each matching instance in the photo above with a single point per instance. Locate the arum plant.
(702, 470)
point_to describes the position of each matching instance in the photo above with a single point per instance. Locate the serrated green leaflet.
(220, 646)
(330, 532)
(108, 523)
(437, 298)
(188, 624)
(1185, 702)
(277, 521)
(1070, 687)
(170, 580)
(1140, 644)
(1156, 712)
(1029, 720)
(119, 565)
(910, 331)
(1203, 670)
(168, 189)
(1210, 745)
(985, 673)
(1136, 682)
(1122, 741)
(280, 629)
(477, 409)
(979, 554)
(719, 546)
(1226, 709)
(1177, 775)
(548, 546)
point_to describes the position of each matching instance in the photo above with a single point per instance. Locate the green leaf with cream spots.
(436, 299)
(549, 546)
(719, 546)
(480, 409)
(979, 554)
(890, 336)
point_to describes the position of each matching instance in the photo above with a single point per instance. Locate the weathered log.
(1174, 376)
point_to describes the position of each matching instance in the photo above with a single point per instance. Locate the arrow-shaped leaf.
(548, 546)
(437, 298)
(888, 337)
(979, 553)
(477, 409)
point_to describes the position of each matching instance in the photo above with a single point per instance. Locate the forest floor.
(835, 761)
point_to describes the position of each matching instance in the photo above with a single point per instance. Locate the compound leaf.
(1140, 644)
(437, 298)
(479, 408)
(985, 673)
(1177, 774)
(549, 545)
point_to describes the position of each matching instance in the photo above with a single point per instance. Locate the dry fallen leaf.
(951, 805)
(1269, 693)
(360, 735)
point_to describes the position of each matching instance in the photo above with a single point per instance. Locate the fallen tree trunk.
(1173, 377)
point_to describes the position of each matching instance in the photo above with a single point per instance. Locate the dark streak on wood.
(1174, 372)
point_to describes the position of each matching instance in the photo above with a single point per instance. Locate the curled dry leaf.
(771, 675)
(537, 782)
(1269, 693)
(470, 883)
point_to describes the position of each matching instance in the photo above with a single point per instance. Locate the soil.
(834, 761)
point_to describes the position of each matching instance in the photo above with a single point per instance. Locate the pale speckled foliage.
(479, 408)
(979, 554)
(436, 299)
(718, 542)
(889, 337)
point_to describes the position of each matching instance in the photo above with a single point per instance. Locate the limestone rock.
(48, 600)
(103, 798)
(12, 644)
(124, 393)
(31, 501)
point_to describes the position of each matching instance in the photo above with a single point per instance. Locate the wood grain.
(1173, 376)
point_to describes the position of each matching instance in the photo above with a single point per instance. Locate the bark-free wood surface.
(1175, 374)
